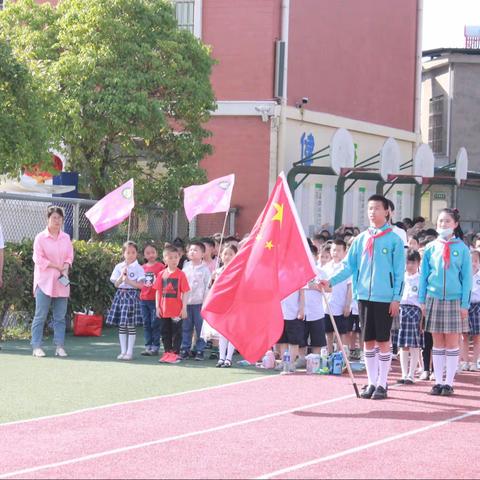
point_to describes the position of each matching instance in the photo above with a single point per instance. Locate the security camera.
(304, 100)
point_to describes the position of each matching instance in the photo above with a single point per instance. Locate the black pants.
(171, 335)
(427, 350)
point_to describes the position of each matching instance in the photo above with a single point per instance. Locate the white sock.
(438, 360)
(414, 356)
(452, 364)
(123, 343)
(131, 344)
(404, 362)
(384, 361)
(222, 347)
(371, 364)
(230, 351)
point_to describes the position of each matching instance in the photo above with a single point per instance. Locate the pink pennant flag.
(113, 208)
(211, 197)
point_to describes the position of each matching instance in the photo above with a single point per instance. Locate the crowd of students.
(392, 291)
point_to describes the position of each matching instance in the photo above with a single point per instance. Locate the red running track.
(294, 426)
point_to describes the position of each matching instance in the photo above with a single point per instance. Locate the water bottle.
(286, 362)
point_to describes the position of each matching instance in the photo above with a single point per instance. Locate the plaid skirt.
(409, 332)
(474, 319)
(125, 310)
(443, 316)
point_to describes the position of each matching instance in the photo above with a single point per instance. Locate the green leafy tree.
(24, 132)
(130, 92)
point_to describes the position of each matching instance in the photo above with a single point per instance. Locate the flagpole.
(221, 239)
(128, 231)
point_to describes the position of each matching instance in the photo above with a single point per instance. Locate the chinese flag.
(244, 302)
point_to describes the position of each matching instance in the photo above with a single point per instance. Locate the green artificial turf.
(91, 376)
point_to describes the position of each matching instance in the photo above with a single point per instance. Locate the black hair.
(379, 198)
(169, 248)
(414, 237)
(149, 244)
(231, 246)
(418, 220)
(340, 243)
(413, 256)
(318, 237)
(55, 209)
(430, 232)
(198, 244)
(391, 205)
(178, 242)
(231, 238)
(323, 232)
(401, 225)
(314, 250)
(408, 222)
(327, 247)
(455, 214)
(127, 244)
(208, 241)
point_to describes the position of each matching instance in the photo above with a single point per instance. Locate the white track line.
(366, 446)
(138, 400)
(137, 446)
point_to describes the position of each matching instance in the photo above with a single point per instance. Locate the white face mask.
(445, 233)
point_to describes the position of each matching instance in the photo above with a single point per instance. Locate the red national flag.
(244, 303)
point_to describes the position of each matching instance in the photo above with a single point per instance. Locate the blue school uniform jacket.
(377, 279)
(454, 283)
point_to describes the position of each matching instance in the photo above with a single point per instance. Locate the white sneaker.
(432, 376)
(473, 367)
(463, 367)
(127, 357)
(120, 357)
(425, 375)
(60, 352)
(38, 352)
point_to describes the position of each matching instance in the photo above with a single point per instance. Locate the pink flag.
(211, 197)
(113, 208)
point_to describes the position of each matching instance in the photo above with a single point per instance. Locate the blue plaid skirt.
(409, 333)
(474, 319)
(125, 310)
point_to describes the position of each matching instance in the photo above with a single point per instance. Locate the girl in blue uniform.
(444, 296)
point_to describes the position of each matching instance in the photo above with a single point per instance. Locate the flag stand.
(340, 344)
(221, 239)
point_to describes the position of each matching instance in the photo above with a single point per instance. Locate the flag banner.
(113, 208)
(211, 197)
(244, 302)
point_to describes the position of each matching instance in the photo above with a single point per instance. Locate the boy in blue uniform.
(376, 262)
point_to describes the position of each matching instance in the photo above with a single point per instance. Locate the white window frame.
(196, 26)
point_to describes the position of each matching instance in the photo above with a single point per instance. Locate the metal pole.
(339, 202)
(76, 221)
(417, 201)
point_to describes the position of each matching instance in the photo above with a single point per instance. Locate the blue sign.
(307, 147)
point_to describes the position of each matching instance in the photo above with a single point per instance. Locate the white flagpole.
(128, 231)
(217, 260)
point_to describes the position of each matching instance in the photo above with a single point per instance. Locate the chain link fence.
(23, 216)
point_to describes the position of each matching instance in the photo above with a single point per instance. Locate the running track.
(294, 426)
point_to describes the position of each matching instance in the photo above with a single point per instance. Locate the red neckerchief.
(446, 252)
(369, 245)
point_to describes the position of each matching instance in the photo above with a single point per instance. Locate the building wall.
(465, 122)
(242, 35)
(355, 59)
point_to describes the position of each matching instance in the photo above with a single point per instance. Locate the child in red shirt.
(171, 286)
(151, 323)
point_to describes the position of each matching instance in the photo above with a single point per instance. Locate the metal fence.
(24, 216)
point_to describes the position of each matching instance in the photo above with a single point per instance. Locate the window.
(185, 13)
(435, 126)
(2, 3)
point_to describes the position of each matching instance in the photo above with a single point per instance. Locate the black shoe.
(401, 381)
(436, 389)
(199, 357)
(380, 393)
(367, 391)
(409, 381)
(192, 354)
(184, 355)
(447, 390)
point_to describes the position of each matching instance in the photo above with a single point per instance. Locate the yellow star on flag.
(279, 209)
(269, 245)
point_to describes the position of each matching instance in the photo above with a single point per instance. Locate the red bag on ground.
(87, 325)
